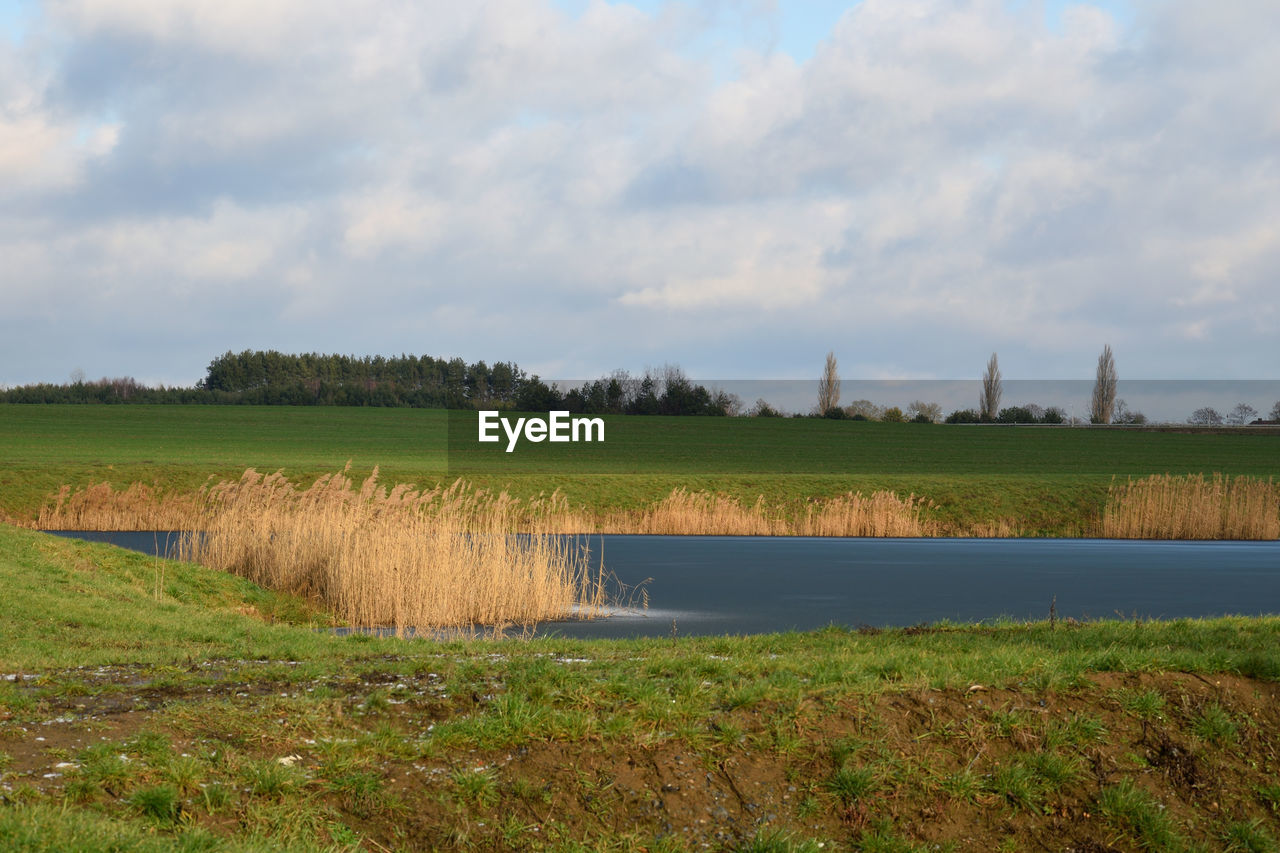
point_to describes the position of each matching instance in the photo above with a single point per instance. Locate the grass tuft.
(1136, 812)
(1215, 725)
(1249, 837)
(160, 803)
(851, 784)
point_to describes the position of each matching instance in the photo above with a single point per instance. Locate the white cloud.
(228, 244)
(557, 183)
(41, 150)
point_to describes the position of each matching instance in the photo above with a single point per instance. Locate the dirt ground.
(935, 766)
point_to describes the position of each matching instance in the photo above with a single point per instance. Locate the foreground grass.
(149, 704)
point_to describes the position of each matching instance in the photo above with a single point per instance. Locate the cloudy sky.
(735, 186)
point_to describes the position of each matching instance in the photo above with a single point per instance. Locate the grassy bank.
(1038, 481)
(149, 704)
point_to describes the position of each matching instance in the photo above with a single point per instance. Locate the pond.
(748, 585)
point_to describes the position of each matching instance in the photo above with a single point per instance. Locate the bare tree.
(1103, 403)
(1275, 412)
(1241, 414)
(1206, 416)
(864, 410)
(919, 410)
(989, 402)
(829, 386)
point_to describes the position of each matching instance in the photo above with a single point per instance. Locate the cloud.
(618, 187)
(40, 148)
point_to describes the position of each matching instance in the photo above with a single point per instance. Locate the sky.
(578, 186)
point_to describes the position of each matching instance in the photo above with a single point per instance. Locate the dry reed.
(1192, 507)
(684, 513)
(999, 528)
(100, 507)
(681, 513)
(435, 559)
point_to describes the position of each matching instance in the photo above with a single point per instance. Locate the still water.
(747, 585)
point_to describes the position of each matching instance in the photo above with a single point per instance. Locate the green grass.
(1214, 724)
(852, 783)
(68, 603)
(232, 733)
(1052, 480)
(1136, 813)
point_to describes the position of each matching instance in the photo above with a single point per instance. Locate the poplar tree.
(829, 386)
(1103, 404)
(989, 402)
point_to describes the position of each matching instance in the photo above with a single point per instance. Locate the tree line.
(273, 378)
(255, 377)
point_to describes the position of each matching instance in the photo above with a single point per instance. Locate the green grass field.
(153, 705)
(1050, 480)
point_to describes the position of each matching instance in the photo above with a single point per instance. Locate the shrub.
(763, 410)
(964, 416)
(1016, 415)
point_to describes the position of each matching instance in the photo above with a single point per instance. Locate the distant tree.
(1205, 417)
(762, 409)
(989, 402)
(922, 412)
(646, 398)
(1016, 415)
(535, 396)
(724, 403)
(1275, 412)
(1241, 414)
(615, 396)
(892, 415)
(680, 396)
(964, 416)
(1102, 405)
(829, 386)
(1123, 415)
(1054, 415)
(863, 410)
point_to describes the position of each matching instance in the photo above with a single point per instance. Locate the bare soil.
(764, 767)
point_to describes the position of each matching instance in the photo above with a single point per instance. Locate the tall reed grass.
(442, 558)
(100, 507)
(684, 513)
(1192, 507)
(680, 513)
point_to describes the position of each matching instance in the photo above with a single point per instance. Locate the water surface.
(748, 585)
